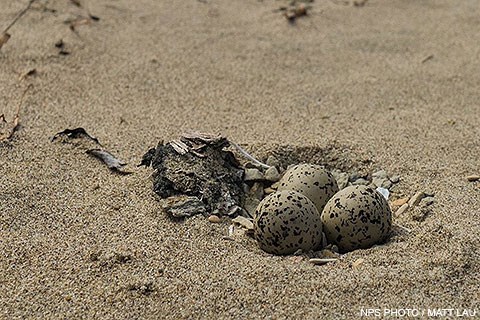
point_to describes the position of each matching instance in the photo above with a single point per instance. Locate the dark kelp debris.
(107, 158)
(197, 166)
(74, 134)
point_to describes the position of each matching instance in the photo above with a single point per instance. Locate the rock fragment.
(341, 177)
(272, 174)
(395, 179)
(256, 191)
(253, 174)
(183, 206)
(214, 219)
(473, 177)
(273, 161)
(360, 181)
(427, 201)
(399, 202)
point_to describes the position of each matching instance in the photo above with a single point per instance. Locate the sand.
(391, 85)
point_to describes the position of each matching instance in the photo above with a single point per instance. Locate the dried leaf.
(107, 158)
(29, 73)
(8, 128)
(74, 134)
(4, 38)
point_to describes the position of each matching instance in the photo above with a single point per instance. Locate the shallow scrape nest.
(196, 175)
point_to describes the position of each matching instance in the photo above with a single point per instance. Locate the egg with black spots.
(356, 217)
(287, 221)
(311, 180)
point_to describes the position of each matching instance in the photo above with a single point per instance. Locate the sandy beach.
(390, 85)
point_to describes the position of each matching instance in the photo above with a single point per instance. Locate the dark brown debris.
(76, 133)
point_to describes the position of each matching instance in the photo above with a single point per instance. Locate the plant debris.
(4, 37)
(74, 134)
(197, 165)
(110, 160)
(183, 206)
(296, 9)
(106, 157)
(7, 129)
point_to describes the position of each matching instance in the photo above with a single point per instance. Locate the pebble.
(256, 191)
(402, 209)
(272, 161)
(253, 174)
(357, 263)
(341, 177)
(382, 182)
(387, 184)
(395, 179)
(427, 201)
(381, 174)
(360, 181)
(251, 205)
(473, 177)
(415, 200)
(214, 219)
(354, 176)
(399, 202)
(321, 261)
(183, 206)
(272, 174)
(244, 222)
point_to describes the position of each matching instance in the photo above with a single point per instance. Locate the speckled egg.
(286, 221)
(356, 217)
(311, 180)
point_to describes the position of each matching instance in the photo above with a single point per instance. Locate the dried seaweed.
(76, 133)
(197, 165)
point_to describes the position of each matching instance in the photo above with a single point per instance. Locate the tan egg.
(311, 180)
(356, 217)
(286, 221)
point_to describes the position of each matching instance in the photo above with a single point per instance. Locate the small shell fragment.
(357, 263)
(473, 177)
(321, 261)
(402, 209)
(244, 222)
(214, 219)
(415, 200)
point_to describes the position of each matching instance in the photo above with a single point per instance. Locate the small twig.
(403, 228)
(248, 156)
(13, 126)
(430, 57)
(17, 112)
(20, 14)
